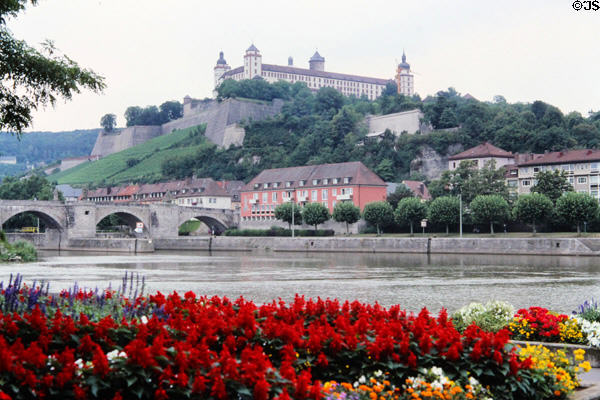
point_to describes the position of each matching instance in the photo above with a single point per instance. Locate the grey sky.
(151, 51)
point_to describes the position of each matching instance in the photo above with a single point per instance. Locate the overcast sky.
(151, 51)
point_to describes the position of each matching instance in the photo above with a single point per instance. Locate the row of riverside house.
(582, 167)
(191, 192)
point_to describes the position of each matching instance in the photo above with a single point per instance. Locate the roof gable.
(483, 150)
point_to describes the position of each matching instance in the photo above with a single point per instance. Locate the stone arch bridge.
(79, 219)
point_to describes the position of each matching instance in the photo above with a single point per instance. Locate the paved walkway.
(589, 378)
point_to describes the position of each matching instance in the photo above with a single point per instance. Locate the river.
(411, 280)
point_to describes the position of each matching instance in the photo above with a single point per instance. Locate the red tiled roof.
(204, 187)
(356, 170)
(418, 188)
(128, 190)
(311, 72)
(483, 150)
(567, 156)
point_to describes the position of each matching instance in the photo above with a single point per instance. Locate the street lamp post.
(292, 199)
(460, 212)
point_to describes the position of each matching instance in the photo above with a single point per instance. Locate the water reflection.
(412, 280)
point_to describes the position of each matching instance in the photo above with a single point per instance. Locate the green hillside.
(139, 163)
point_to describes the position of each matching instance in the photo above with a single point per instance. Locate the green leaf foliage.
(379, 213)
(346, 212)
(444, 211)
(552, 184)
(533, 209)
(576, 208)
(410, 210)
(283, 212)
(489, 209)
(315, 214)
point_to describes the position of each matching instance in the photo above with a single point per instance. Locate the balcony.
(253, 201)
(302, 199)
(345, 196)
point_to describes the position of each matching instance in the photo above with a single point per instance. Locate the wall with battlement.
(221, 119)
(132, 136)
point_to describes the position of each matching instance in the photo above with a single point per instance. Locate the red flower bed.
(195, 347)
(537, 323)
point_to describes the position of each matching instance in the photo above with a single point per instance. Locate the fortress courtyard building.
(314, 76)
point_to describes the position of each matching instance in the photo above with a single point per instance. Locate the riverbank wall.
(424, 245)
(112, 245)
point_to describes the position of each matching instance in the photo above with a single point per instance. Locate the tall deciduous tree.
(32, 78)
(489, 209)
(444, 210)
(315, 214)
(347, 212)
(378, 213)
(284, 213)
(108, 122)
(410, 210)
(533, 208)
(402, 191)
(552, 184)
(575, 208)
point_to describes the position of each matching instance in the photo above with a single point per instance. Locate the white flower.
(144, 319)
(362, 379)
(378, 373)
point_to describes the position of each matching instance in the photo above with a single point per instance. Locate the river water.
(411, 280)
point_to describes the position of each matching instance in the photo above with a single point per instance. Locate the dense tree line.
(153, 115)
(36, 147)
(327, 127)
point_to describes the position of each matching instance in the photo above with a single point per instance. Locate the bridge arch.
(212, 221)
(131, 217)
(50, 219)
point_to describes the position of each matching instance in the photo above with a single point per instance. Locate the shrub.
(491, 317)
(277, 231)
(2, 236)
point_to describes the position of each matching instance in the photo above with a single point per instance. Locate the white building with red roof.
(581, 166)
(480, 155)
(328, 184)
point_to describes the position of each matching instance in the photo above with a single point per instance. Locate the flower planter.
(592, 354)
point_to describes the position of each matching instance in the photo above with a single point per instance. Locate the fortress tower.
(316, 62)
(252, 62)
(220, 68)
(404, 78)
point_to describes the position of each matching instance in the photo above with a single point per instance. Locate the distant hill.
(140, 163)
(36, 147)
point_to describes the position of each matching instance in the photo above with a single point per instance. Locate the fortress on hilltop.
(314, 76)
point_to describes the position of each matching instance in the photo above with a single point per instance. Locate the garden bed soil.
(592, 354)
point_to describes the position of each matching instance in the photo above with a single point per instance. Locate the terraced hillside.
(139, 163)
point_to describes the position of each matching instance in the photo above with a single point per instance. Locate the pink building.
(326, 183)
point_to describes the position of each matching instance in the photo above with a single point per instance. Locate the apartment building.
(480, 155)
(581, 166)
(326, 183)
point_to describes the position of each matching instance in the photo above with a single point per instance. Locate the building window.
(274, 197)
(301, 183)
(594, 166)
(325, 181)
(594, 179)
(255, 196)
(346, 180)
(314, 195)
(571, 180)
(265, 197)
(324, 194)
(334, 192)
(333, 203)
(526, 183)
(582, 179)
(336, 181)
(288, 184)
(315, 182)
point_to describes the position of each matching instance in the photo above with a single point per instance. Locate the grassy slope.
(113, 168)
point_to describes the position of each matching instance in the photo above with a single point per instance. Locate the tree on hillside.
(283, 212)
(34, 187)
(347, 212)
(402, 191)
(32, 78)
(489, 209)
(108, 122)
(379, 214)
(410, 210)
(385, 170)
(170, 110)
(575, 208)
(552, 184)
(470, 181)
(444, 210)
(533, 208)
(315, 214)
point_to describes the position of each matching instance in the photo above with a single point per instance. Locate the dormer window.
(256, 186)
(325, 181)
(302, 183)
(288, 184)
(265, 185)
(346, 180)
(315, 182)
(336, 181)
(276, 184)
